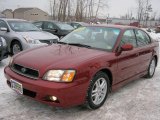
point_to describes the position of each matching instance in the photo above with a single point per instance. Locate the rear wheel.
(151, 68)
(16, 47)
(98, 91)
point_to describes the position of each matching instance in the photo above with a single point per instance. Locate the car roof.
(115, 26)
(82, 23)
(48, 21)
(7, 19)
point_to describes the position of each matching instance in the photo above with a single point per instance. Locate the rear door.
(145, 49)
(128, 61)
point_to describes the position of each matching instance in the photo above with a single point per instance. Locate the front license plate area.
(16, 86)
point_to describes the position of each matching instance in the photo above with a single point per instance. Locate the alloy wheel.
(99, 91)
(152, 67)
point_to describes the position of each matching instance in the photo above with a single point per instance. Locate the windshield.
(64, 26)
(95, 37)
(22, 26)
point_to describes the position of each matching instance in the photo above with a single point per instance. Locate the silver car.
(21, 35)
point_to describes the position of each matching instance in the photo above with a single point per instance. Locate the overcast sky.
(116, 7)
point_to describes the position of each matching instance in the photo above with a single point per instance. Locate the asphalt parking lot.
(138, 100)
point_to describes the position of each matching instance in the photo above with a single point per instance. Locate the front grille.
(27, 72)
(49, 41)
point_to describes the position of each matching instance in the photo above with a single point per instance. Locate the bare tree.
(153, 16)
(140, 10)
(144, 7)
(148, 9)
(54, 10)
(100, 4)
(62, 10)
(79, 10)
(65, 10)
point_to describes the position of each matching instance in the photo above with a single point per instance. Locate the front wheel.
(151, 68)
(98, 91)
(16, 47)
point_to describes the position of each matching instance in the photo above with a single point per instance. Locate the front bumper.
(3, 53)
(68, 94)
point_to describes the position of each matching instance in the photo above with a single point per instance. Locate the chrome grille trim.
(25, 75)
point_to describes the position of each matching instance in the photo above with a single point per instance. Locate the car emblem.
(23, 70)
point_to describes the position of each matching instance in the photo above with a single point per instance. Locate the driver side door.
(128, 61)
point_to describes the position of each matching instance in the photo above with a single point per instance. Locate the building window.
(34, 14)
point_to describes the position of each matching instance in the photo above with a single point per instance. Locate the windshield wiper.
(61, 43)
(79, 45)
(75, 44)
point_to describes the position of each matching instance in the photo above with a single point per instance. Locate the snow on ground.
(138, 100)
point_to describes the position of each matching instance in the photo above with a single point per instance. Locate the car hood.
(38, 35)
(57, 57)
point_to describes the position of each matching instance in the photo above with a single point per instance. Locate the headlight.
(31, 40)
(11, 61)
(3, 42)
(60, 75)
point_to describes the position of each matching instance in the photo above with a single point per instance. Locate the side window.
(38, 24)
(3, 24)
(129, 37)
(49, 25)
(142, 38)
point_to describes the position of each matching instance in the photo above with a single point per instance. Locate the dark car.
(76, 25)
(57, 28)
(84, 66)
(3, 49)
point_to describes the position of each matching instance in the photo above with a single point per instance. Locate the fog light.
(49, 98)
(53, 98)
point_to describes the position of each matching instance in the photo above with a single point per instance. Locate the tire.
(98, 91)
(151, 68)
(16, 47)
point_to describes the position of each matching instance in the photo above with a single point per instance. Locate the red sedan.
(84, 66)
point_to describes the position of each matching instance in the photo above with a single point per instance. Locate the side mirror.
(3, 29)
(126, 47)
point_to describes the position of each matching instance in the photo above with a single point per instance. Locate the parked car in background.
(57, 28)
(21, 35)
(3, 49)
(76, 25)
(152, 33)
(157, 29)
(84, 66)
